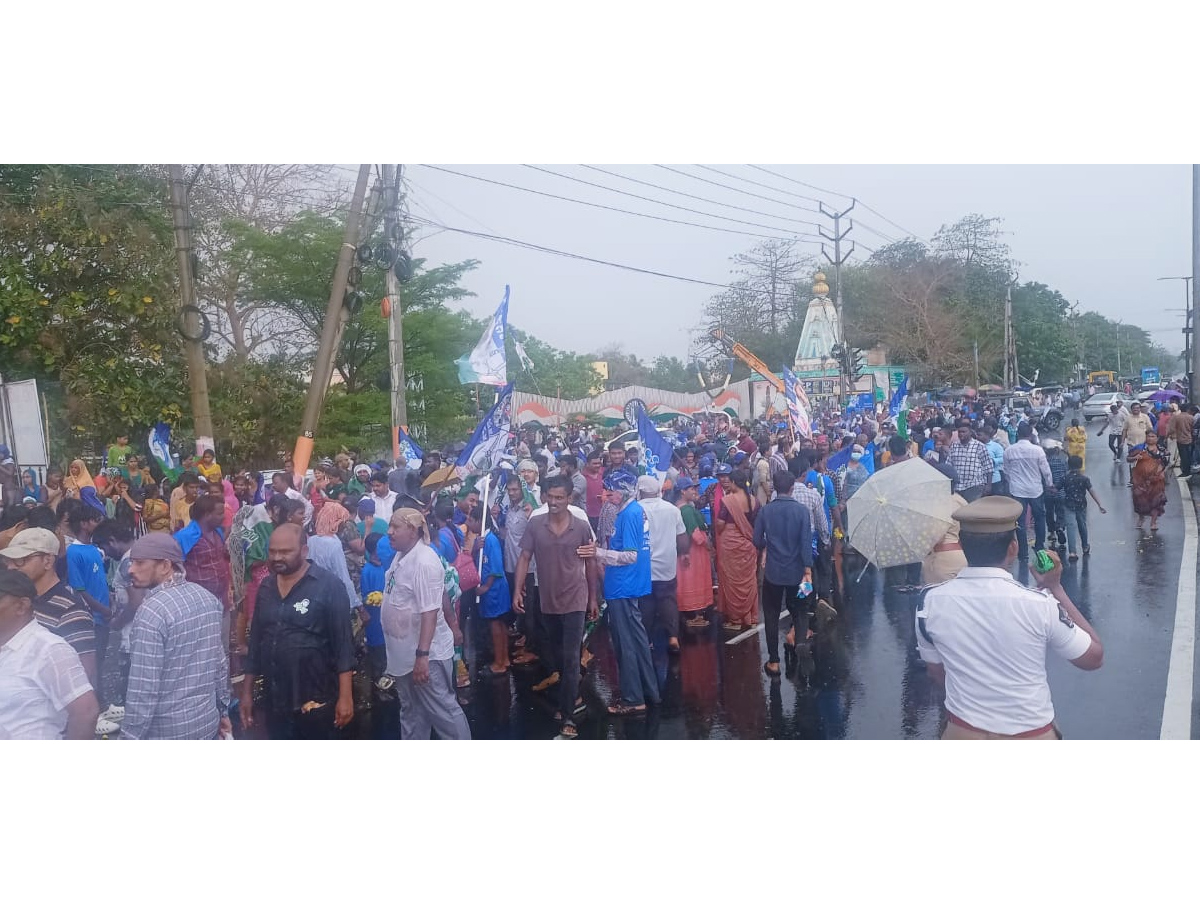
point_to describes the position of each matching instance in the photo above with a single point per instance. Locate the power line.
(672, 205)
(577, 256)
(630, 212)
(836, 194)
(736, 190)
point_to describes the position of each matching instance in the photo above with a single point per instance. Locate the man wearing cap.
(178, 668)
(44, 692)
(627, 583)
(668, 541)
(984, 636)
(34, 553)
(361, 480)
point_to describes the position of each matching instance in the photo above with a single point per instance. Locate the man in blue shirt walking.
(626, 584)
(782, 528)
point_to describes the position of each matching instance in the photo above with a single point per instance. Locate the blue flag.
(413, 454)
(839, 459)
(656, 452)
(899, 398)
(489, 440)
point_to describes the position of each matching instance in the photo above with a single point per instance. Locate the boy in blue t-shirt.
(87, 573)
(371, 582)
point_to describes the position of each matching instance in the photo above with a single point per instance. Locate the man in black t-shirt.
(300, 642)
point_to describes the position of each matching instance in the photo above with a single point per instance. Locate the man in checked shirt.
(179, 671)
(972, 462)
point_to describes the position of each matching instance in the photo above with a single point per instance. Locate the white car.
(1096, 406)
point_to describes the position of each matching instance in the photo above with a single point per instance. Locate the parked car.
(1096, 406)
(630, 438)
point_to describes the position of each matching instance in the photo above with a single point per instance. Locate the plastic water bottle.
(805, 589)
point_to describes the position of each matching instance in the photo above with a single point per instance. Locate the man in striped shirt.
(33, 553)
(179, 671)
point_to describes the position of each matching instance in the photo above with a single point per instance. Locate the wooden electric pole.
(190, 314)
(399, 399)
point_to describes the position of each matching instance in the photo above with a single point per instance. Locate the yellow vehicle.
(1102, 378)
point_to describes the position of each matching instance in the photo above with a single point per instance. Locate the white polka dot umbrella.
(900, 513)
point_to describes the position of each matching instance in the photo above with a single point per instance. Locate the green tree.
(87, 288)
(555, 372)
(1043, 335)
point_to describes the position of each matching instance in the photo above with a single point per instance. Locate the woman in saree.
(737, 557)
(694, 590)
(1150, 481)
(247, 543)
(335, 520)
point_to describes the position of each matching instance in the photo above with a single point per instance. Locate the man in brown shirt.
(566, 586)
(1181, 430)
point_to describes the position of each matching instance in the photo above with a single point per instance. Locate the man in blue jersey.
(626, 584)
(87, 574)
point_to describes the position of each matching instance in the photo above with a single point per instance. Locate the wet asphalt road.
(863, 679)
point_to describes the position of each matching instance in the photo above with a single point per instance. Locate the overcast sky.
(1101, 235)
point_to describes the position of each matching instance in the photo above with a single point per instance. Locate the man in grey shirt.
(783, 529)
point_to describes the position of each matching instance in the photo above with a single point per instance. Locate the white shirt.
(1027, 470)
(414, 584)
(40, 675)
(991, 634)
(666, 522)
(385, 505)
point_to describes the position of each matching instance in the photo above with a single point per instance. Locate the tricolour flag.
(793, 392)
(486, 363)
(489, 440)
(656, 452)
(159, 441)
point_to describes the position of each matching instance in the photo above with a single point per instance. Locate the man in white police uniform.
(984, 636)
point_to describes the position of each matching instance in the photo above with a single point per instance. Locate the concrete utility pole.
(190, 314)
(1187, 329)
(391, 201)
(1194, 362)
(330, 331)
(836, 261)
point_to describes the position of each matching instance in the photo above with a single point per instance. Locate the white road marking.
(1177, 704)
(757, 629)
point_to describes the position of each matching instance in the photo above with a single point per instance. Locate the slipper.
(568, 733)
(491, 673)
(698, 622)
(772, 673)
(622, 709)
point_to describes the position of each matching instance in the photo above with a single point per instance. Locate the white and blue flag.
(490, 440)
(898, 398)
(413, 454)
(159, 441)
(656, 452)
(487, 364)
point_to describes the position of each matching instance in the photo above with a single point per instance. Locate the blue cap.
(682, 483)
(724, 469)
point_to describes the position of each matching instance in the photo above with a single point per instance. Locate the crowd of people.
(292, 602)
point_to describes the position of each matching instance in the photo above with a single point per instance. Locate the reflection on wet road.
(864, 679)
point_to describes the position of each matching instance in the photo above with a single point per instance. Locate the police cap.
(988, 515)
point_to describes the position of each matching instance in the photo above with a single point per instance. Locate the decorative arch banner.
(609, 407)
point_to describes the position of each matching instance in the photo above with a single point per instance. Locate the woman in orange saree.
(737, 557)
(695, 589)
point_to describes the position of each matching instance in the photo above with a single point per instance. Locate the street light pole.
(1187, 329)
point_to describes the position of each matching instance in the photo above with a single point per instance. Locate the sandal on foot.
(624, 709)
(772, 673)
(698, 622)
(567, 733)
